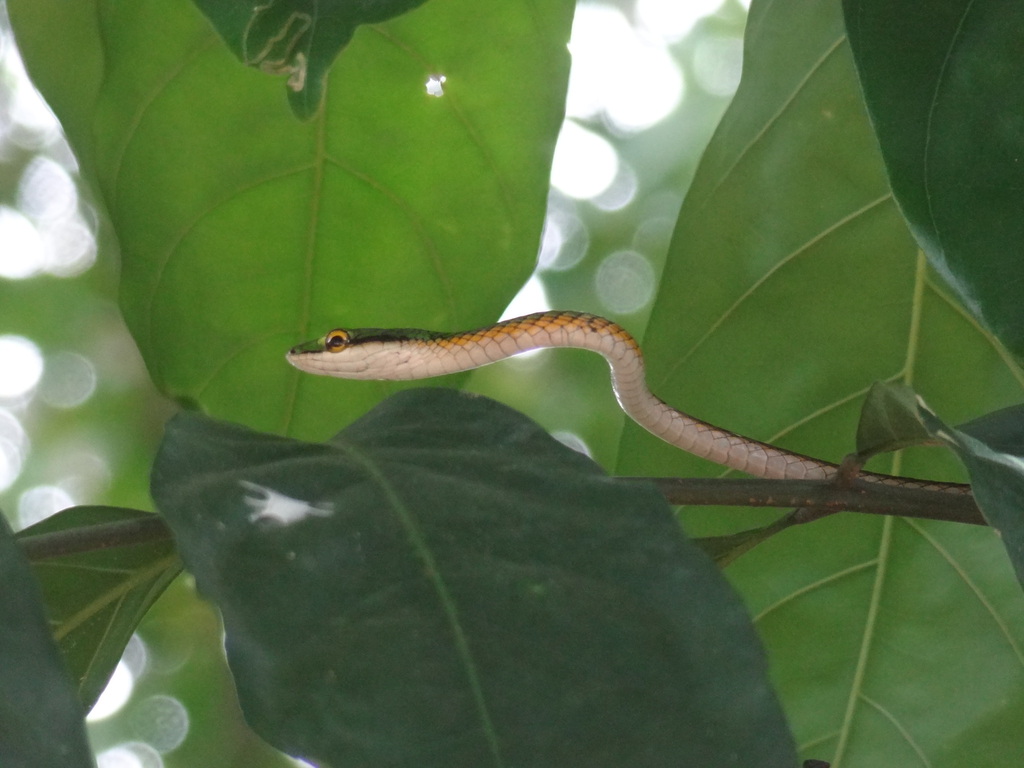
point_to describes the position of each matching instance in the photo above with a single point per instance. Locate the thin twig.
(860, 496)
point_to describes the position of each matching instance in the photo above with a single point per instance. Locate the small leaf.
(726, 549)
(298, 38)
(444, 584)
(41, 720)
(889, 420)
(96, 599)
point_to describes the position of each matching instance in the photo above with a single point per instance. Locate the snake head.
(335, 341)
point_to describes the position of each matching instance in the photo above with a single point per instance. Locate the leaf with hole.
(243, 231)
(297, 38)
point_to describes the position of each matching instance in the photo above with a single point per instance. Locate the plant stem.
(811, 498)
(818, 495)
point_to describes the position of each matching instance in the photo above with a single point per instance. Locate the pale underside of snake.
(409, 353)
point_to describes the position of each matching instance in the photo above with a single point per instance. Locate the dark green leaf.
(941, 81)
(41, 720)
(997, 477)
(1001, 430)
(444, 584)
(96, 599)
(991, 447)
(244, 232)
(889, 420)
(298, 38)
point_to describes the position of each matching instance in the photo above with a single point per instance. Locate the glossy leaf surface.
(941, 81)
(444, 584)
(792, 284)
(96, 599)
(244, 232)
(41, 720)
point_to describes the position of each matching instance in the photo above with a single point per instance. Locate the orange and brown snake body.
(409, 353)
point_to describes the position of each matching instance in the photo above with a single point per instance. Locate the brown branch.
(820, 496)
(810, 500)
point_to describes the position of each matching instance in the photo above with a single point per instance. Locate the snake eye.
(336, 340)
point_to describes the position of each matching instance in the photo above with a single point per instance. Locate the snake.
(400, 354)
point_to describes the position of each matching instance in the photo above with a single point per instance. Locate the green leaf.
(997, 477)
(992, 448)
(41, 720)
(244, 232)
(890, 420)
(444, 584)
(792, 284)
(95, 599)
(940, 82)
(298, 38)
(1001, 430)
(724, 550)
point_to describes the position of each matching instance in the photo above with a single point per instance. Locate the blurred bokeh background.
(80, 420)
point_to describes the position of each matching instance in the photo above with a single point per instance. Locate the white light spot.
(10, 428)
(69, 247)
(136, 656)
(634, 81)
(161, 721)
(131, 754)
(625, 282)
(46, 191)
(435, 85)
(21, 366)
(275, 507)
(13, 448)
(69, 380)
(718, 64)
(673, 20)
(584, 164)
(564, 242)
(11, 459)
(115, 695)
(620, 192)
(40, 502)
(22, 254)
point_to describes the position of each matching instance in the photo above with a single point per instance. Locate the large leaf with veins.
(244, 231)
(792, 284)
